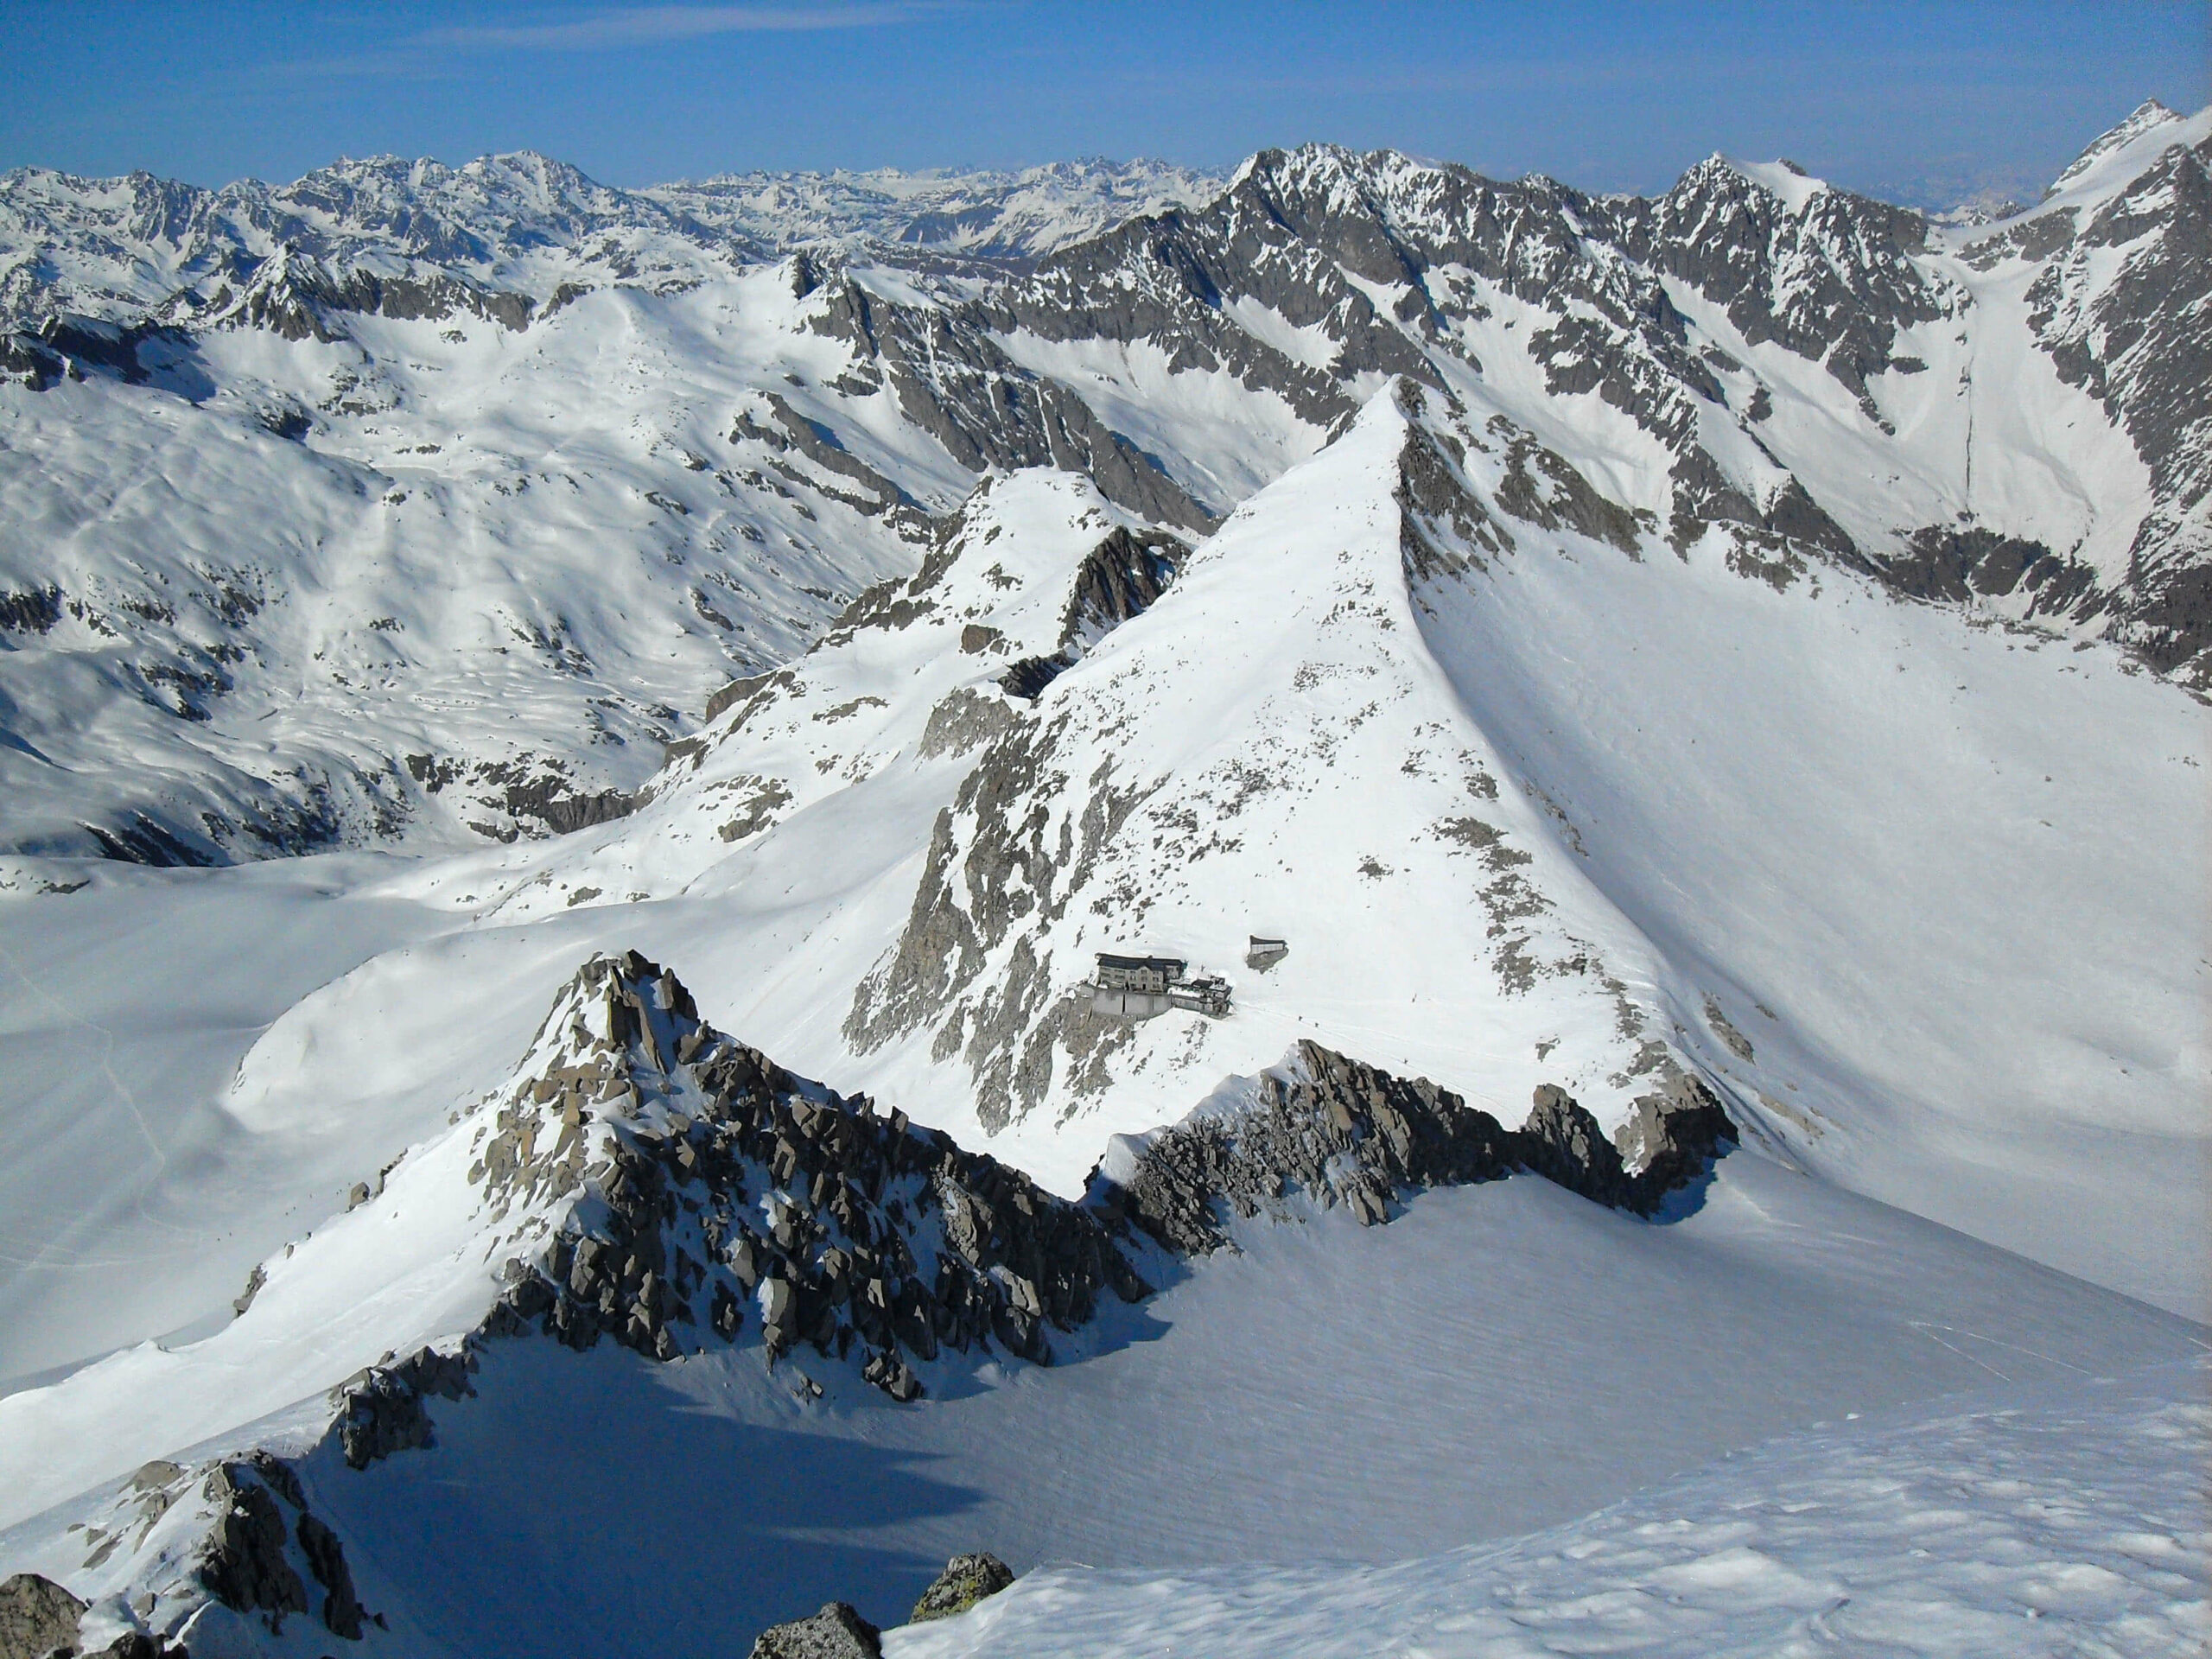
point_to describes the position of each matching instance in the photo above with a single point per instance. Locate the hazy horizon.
(1925, 105)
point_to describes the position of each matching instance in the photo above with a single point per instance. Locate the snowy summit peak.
(2148, 117)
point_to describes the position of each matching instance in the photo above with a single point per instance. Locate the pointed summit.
(2148, 117)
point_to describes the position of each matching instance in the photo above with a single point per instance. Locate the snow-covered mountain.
(972, 216)
(1704, 695)
(390, 356)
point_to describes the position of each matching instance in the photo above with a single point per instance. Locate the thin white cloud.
(648, 25)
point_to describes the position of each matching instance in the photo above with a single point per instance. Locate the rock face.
(1670, 1138)
(244, 1561)
(966, 1581)
(37, 1617)
(736, 1194)
(1334, 1131)
(1120, 578)
(836, 1632)
(381, 1409)
(1562, 1142)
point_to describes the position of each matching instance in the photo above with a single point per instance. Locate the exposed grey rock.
(966, 1581)
(242, 1562)
(952, 380)
(341, 1608)
(1562, 1142)
(1671, 1137)
(1956, 566)
(882, 1245)
(1724, 1029)
(864, 488)
(554, 804)
(34, 611)
(37, 1617)
(1337, 1132)
(2119, 307)
(735, 692)
(1118, 579)
(836, 1632)
(969, 899)
(380, 1410)
(966, 720)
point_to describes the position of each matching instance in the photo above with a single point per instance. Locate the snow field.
(2068, 1523)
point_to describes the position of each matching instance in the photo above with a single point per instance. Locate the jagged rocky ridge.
(1328, 1130)
(720, 1192)
(716, 1193)
(694, 1195)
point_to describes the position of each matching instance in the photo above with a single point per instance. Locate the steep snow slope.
(1912, 901)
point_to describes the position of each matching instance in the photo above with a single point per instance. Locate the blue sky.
(1928, 101)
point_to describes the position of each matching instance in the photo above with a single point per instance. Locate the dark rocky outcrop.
(554, 804)
(147, 840)
(1118, 579)
(522, 791)
(836, 1632)
(341, 1608)
(1562, 1143)
(1338, 1132)
(1335, 1132)
(37, 1617)
(1669, 1138)
(884, 1244)
(34, 611)
(1957, 566)
(966, 1581)
(380, 1410)
(243, 1561)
